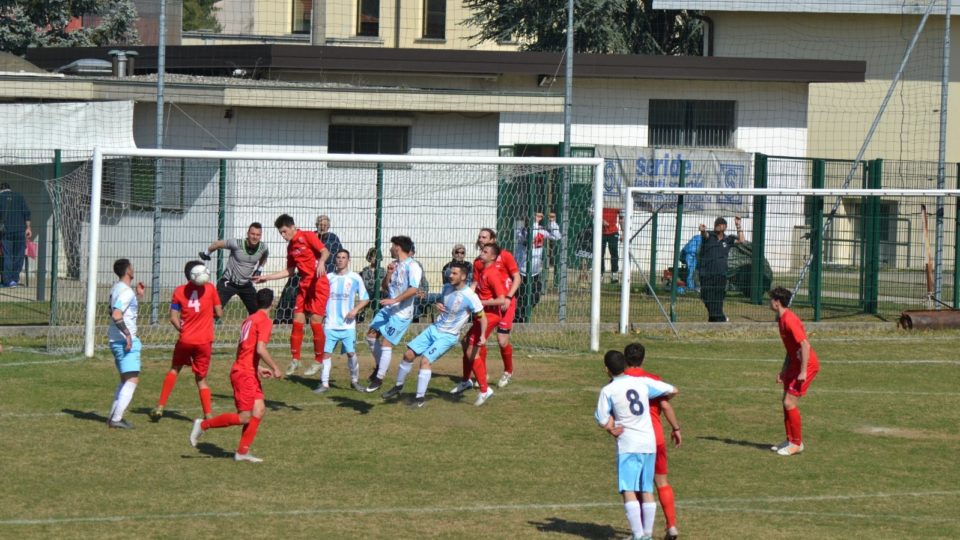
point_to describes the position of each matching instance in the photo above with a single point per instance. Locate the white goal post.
(96, 192)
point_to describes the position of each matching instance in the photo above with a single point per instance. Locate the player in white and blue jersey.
(623, 409)
(340, 326)
(458, 304)
(124, 344)
(401, 283)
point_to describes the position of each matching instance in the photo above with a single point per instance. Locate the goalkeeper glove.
(204, 256)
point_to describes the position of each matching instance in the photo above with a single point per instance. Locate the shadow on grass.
(85, 415)
(173, 415)
(270, 404)
(445, 395)
(305, 381)
(361, 407)
(576, 528)
(737, 442)
(209, 450)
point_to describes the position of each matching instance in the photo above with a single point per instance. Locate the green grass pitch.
(881, 426)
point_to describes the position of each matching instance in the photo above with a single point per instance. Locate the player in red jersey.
(634, 354)
(508, 265)
(307, 256)
(245, 378)
(490, 287)
(800, 367)
(191, 312)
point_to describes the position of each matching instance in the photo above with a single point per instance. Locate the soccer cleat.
(195, 432)
(462, 387)
(119, 424)
(156, 414)
(204, 256)
(393, 392)
(246, 457)
(358, 387)
(374, 385)
(421, 401)
(313, 369)
(504, 379)
(373, 374)
(292, 368)
(672, 534)
(790, 450)
(483, 397)
(321, 389)
(784, 444)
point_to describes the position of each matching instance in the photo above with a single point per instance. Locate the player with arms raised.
(192, 310)
(800, 367)
(508, 265)
(307, 256)
(245, 378)
(124, 343)
(623, 410)
(246, 260)
(457, 303)
(341, 324)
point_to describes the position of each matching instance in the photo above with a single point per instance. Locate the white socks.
(325, 374)
(124, 397)
(403, 371)
(354, 366)
(423, 381)
(634, 517)
(386, 354)
(649, 511)
(116, 397)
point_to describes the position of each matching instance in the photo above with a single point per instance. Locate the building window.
(368, 18)
(369, 139)
(434, 19)
(691, 123)
(302, 10)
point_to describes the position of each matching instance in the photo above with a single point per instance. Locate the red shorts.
(506, 321)
(246, 389)
(660, 466)
(473, 336)
(195, 356)
(312, 296)
(793, 387)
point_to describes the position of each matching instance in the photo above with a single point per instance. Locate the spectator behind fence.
(689, 254)
(15, 222)
(534, 282)
(372, 277)
(611, 242)
(329, 239)
(713, 266)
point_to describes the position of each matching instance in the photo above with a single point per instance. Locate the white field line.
(824, 362)
(41, 362)
(496, 508)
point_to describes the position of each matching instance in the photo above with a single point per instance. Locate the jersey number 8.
(636, 404)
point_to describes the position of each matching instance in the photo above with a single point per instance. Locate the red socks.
(224, 420)
(249, 433)
(665, 493)
(205, 401)
(168, 383)
(507, 354)
(480, 368)
(467, 366)
(791, 418)
(319, 340)
(296, 340)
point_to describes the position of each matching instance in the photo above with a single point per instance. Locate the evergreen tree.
(43, 23)
(600, 26)
(200, 15)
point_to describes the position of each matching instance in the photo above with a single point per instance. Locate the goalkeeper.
(247, 257)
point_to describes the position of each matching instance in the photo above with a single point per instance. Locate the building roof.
(876, 7)
(11, 63)
(274, 61)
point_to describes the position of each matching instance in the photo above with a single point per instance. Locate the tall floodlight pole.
(942, 156)
(565, 180)
(158, 177)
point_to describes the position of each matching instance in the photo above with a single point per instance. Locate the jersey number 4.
(194, 302)
(636, 404)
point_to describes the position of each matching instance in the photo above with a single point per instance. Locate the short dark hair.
(403, 242)
(719, 221)
(372, 252)
(120, 267)
(264, 298)
(341, 250)
(188, 267)
(782, 295)
(634, 354)
(255, 225)
(491, 232)
(492, 245)
(615, 362)
(285, 220)
(463, 266)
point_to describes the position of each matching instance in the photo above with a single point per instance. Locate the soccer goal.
(159, 208)
(856, 254)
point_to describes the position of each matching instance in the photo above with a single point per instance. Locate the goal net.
(160, 208)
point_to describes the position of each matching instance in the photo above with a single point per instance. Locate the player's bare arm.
(280, 274)
(175, 319)
(783, 368)
(500, 301)
(737, 222)
(671, 417)
(612, 428)
(117, 317)
(265, 356)
(141, 288)
(483, 328)
(515, 284)
(215, 245)
(804, 360)
(352, 314)
(218, 311)
(409, 293)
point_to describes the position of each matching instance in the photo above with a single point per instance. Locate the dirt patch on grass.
(907, 433)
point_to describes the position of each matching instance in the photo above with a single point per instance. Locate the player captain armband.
(122, 327)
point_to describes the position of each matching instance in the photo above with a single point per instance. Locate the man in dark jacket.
(15, 219)
(714, 252)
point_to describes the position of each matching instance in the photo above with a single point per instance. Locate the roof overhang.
(871, 7)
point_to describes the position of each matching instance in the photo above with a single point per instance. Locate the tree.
(600, 26)
(200, 15)
(43, 23)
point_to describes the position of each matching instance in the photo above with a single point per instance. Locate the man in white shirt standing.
(124, 344)
(532, 282)
(623, 409)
